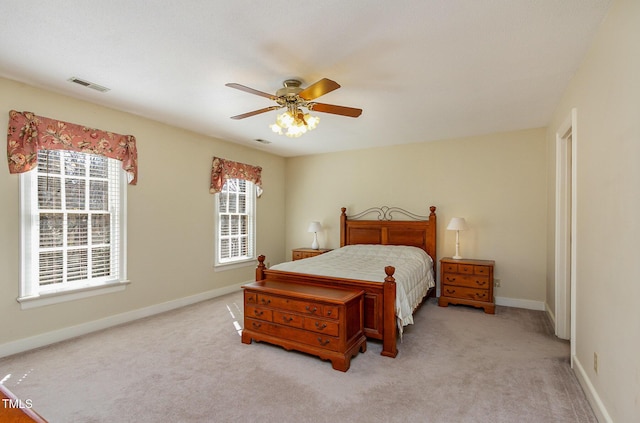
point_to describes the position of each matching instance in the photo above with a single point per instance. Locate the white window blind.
(73, 233)
(236, 222)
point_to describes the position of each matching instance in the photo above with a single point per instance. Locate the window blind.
(79, 226)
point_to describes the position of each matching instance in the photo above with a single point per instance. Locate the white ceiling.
(421, 70)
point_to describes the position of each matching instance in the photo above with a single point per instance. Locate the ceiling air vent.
(88, 84)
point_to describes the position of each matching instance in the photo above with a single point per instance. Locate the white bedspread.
(414, 271)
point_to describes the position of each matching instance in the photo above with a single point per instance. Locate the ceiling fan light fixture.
(312, 121)
(296, 124)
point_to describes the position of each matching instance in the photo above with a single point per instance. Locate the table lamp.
(457, 224)
(315, 227)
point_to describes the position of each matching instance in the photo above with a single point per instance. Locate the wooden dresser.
(326, 322)
(467, 281)
(302, 253)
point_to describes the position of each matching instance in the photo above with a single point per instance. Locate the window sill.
(70, 295)
(235, 265)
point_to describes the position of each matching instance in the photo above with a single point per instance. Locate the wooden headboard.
(419, 231)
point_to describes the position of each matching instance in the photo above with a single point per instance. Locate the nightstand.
(467, 281)
(302, 253)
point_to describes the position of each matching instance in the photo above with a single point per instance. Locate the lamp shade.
(457, 224)
(314, 227)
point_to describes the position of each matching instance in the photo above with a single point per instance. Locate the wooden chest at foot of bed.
(326, 322)
(466, 281)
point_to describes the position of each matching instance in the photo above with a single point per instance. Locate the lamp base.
(456, 257)
(315, 245)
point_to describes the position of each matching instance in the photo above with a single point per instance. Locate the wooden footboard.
(379, 300)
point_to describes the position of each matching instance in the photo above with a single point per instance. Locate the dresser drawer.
(250, 297)
(449, 267)
(482, 270)
(331, 312)
(467, 269)
(294, 320)
(297, 255)
(471, 281)
(321, 326)
(299, 335)
(287, 304)
(259, 313)
(466, 293)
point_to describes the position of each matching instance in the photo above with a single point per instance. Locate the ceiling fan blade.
(321, 87)
(336, 110)
(250, 90)
(255, 112)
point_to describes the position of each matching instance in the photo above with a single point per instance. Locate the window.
(235, 229)
(73, 225)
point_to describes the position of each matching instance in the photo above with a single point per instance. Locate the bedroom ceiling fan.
(294, 98)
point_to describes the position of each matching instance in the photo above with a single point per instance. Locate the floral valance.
(29, 133)
(222, 169)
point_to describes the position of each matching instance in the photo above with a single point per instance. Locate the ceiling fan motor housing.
(291, 88)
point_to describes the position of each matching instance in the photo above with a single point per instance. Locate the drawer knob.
(329, 312)
(323, 343)
(320, 325)
(311, 310)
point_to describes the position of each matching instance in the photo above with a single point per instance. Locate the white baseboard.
(37, 341)
(592, 395)
(551, 314)
(520, 303)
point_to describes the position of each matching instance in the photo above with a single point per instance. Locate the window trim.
(245, 262)
(29, 297)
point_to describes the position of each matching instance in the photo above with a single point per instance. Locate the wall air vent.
(88, 84)
(261, 141)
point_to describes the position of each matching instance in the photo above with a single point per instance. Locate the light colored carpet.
(455, 364)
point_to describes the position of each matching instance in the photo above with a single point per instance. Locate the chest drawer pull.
(266, 302)
(450, 279)
(258, 312)
(311, 310)
(323, 343)
(256, 325)
(320, 325)
(287, 319)
(450, 291)
(483, 295)
(481, 283)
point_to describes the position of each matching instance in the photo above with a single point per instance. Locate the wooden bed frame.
(380, 298)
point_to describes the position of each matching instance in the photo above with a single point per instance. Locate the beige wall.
(496, 182)
(170, 216)
(606, 93)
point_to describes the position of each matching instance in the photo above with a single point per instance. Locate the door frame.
(565, 229)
